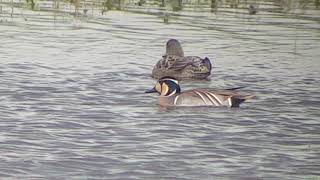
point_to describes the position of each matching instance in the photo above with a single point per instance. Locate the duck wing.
(216, 97)
(177, 63)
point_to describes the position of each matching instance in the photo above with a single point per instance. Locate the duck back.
(182, 67)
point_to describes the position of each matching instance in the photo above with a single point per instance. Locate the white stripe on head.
(169, 79)
(174, 92)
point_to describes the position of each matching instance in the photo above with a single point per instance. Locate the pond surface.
(72, 101)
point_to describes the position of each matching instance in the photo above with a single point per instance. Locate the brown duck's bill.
(153, 90)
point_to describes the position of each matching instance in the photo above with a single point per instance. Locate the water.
(72, 101)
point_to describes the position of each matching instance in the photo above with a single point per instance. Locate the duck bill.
(153, 90)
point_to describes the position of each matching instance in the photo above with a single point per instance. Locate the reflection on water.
(72, 101)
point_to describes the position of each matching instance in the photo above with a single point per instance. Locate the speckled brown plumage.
(176, 65)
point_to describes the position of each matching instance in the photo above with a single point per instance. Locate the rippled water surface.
(72, 101)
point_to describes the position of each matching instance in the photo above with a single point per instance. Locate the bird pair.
(175, 66)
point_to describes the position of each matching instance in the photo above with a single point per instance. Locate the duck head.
(166, 86)
(174, 48)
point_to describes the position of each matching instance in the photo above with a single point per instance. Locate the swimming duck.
(175, 64)
(171, 95)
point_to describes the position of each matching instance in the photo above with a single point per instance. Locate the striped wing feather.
(210, 97)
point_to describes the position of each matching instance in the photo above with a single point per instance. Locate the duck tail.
(206, 61)
(237, 100)
(249, 97)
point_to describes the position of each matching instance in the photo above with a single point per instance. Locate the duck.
(175, 64)
(171, 95)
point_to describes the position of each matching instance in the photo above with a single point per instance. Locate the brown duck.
(171, 95)
(176, 65)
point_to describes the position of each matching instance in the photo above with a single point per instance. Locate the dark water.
(72, 101)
